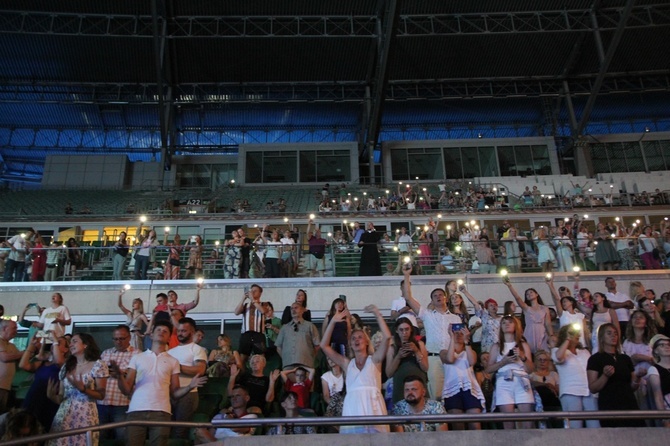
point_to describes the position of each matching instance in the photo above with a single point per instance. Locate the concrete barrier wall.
(532, 437)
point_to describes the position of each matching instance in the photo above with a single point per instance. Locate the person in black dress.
(370, 262)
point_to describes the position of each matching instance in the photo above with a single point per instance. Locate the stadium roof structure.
(156, 77)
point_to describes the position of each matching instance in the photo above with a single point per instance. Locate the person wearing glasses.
(298, 341)
(113, 407)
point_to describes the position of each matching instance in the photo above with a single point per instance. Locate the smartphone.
(343, 297)
(510, 353)
(457, 327)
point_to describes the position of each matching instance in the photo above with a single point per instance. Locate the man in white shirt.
(15, 264)
(192, 361)
(152, 378)
(400, 308)
(437, 323)
(619, 302)
(404, 242)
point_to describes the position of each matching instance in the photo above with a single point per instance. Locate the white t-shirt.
(335, 383)
(572, 372)
(223, 432)
(152, 382)
(50, 314)
(477, 336)
(400, 303)
(188, 355)
(623, 314)
(438, 336)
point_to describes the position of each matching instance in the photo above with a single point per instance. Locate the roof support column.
(580, 149)
(165, 111)
(379, 81)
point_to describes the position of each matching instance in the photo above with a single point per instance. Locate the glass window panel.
(653, 155)
(617, 157)
(308, 166)
(470, 162)
(665, 151)
(280, 167)
(506, 160)
(426, 166)
(399, 165)
(541, 160)
(452, 163)
(488, 162)
(254, 170)
(599, 158)
(333, 167)
(524, 160)
(634, 159)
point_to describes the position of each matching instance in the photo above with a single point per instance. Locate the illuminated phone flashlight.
(504, 275)
(576, 326)
(200, 280)
(576, 270)
(126, 287)
(548, 277)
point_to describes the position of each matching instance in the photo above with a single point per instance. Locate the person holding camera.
(407, 356)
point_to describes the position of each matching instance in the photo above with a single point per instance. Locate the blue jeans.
(112, 414)
(574, 403)
(141, 267)
(14, 271)
(118, 263)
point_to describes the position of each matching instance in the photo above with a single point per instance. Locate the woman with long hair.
(143, 252)
(233, 256)
(545, 380)
(222, 358)
(570, 358)
(363, 371)
(511, 361)
(545, 253)
(137, 321)
(406, 356)
(172, 269)
(458, 307)
(83, 379)
(639, 331)
(301, 298)
(601, 314)
(38, 254)
(538, 321)
(342, 330)
(612, 376)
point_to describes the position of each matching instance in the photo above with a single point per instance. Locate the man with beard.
(192, 361)
(416, 403)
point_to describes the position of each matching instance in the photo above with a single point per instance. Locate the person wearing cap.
(658, 375)
(490, 320)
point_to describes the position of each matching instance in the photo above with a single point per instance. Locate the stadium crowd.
(600, 350)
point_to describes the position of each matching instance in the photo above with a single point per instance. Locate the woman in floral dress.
(231, 264)
(82, 381)
(194, 265)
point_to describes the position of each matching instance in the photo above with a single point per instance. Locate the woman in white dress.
(601, 314)
(363, 371)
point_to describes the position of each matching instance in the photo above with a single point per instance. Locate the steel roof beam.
(119, 25)
(379, 81)
(354, 92)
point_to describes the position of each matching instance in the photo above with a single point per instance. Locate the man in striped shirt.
(253, 323)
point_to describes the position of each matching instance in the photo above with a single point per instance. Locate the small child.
(302, 386)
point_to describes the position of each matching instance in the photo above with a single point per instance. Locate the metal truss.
(63, 23)
(531, 21)
(198, 94)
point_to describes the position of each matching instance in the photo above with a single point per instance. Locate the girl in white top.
(512, 362)
(566, 309)
(601, 314)
(332, 381)
(639, 331)
(570, 359)
(461, 391)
